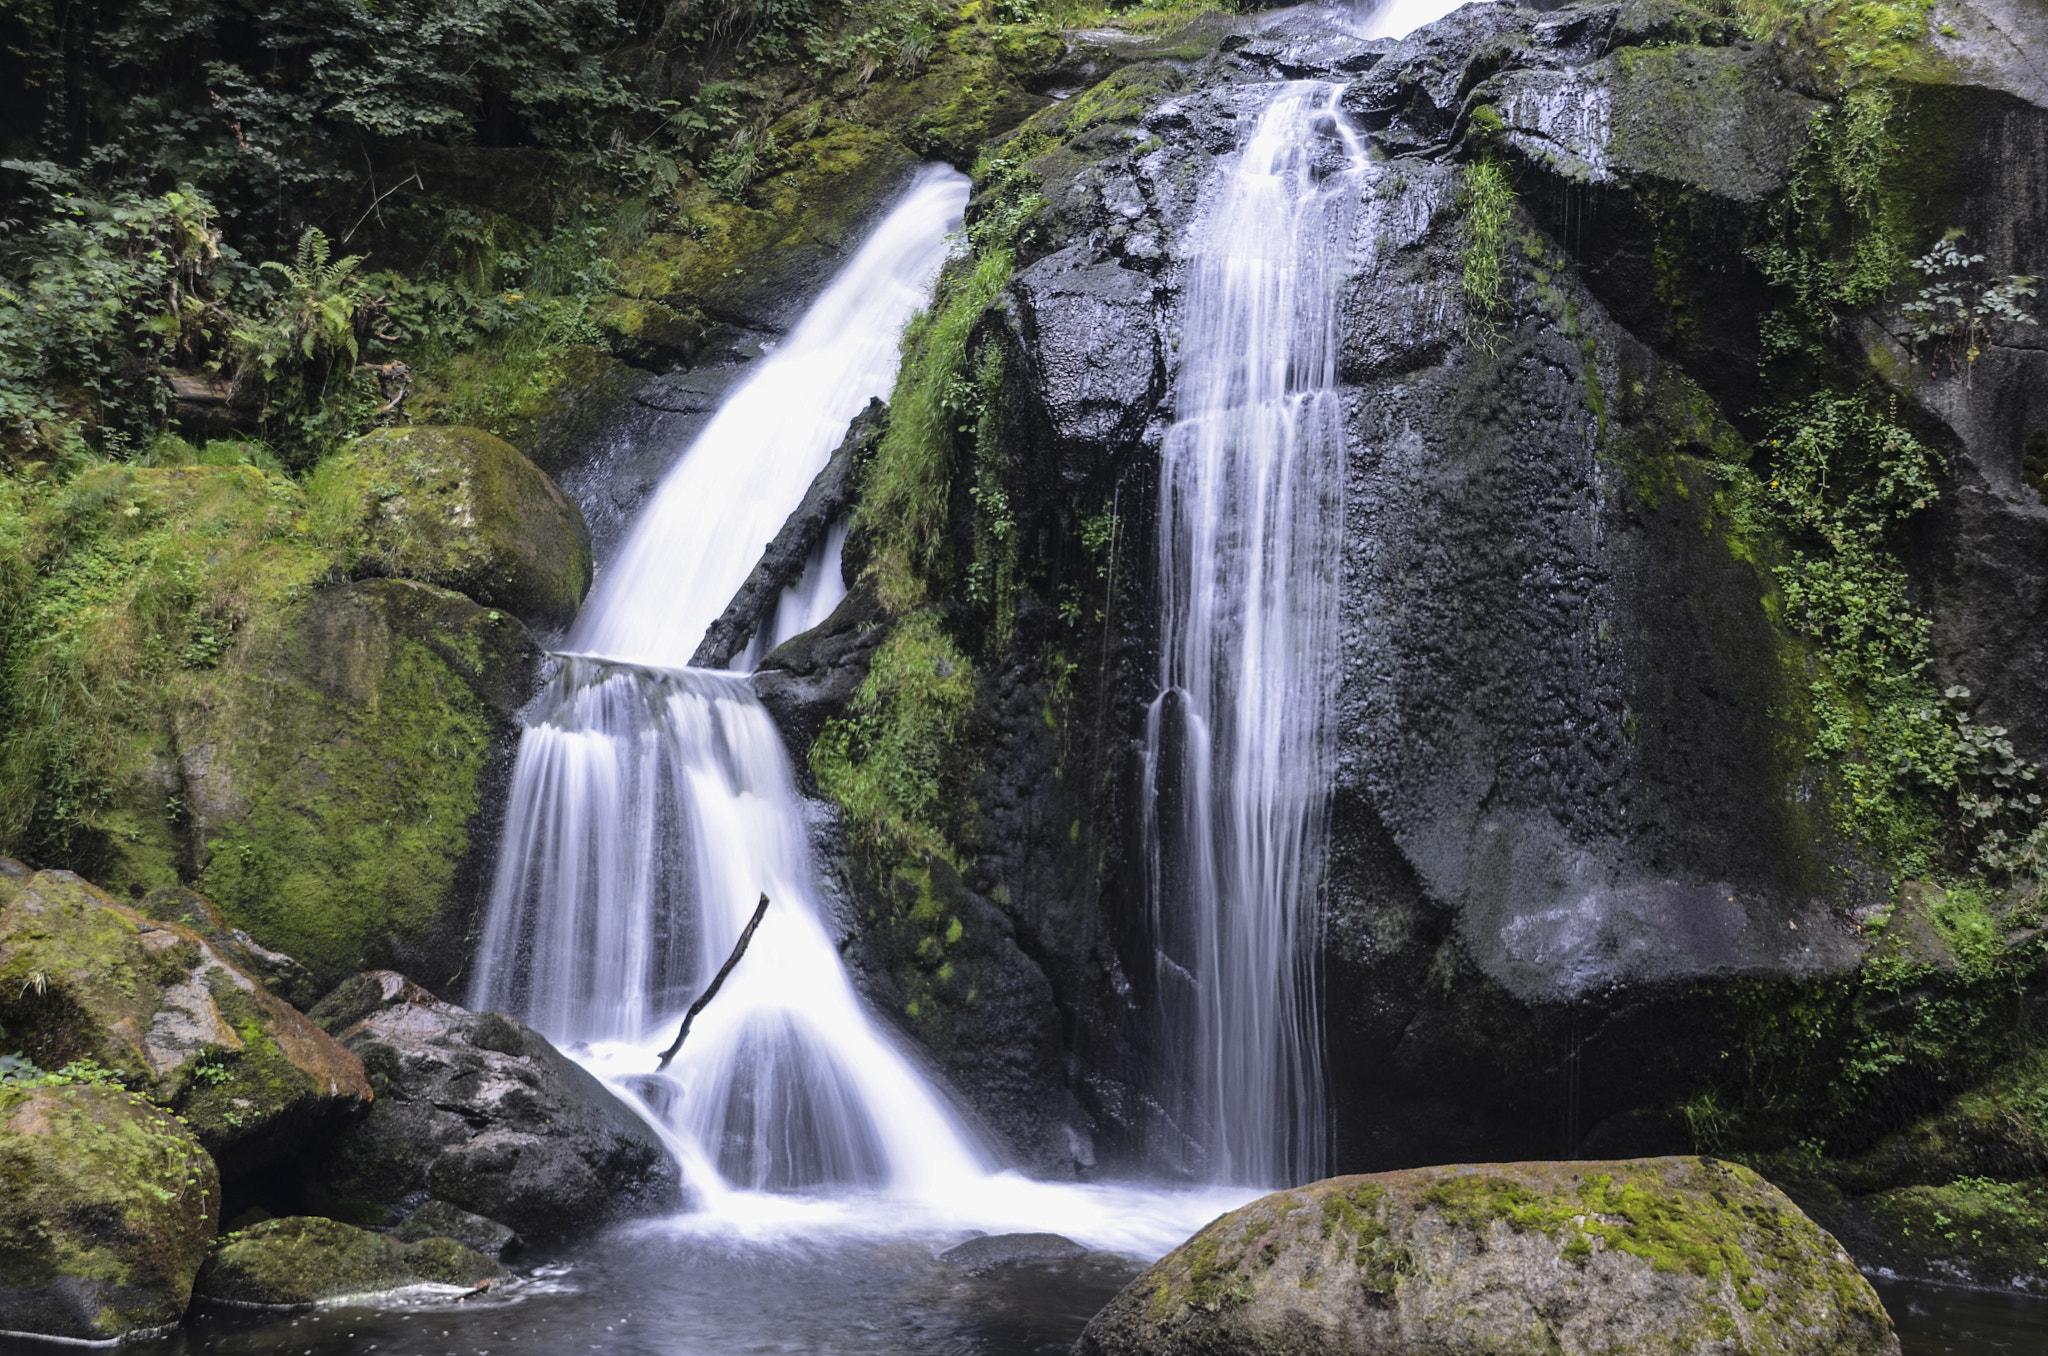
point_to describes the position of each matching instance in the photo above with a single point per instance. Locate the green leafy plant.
(1953, 312)
(309, 344)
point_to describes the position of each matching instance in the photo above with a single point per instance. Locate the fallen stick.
(739, 949)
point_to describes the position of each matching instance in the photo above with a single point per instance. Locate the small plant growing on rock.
(1488, 199)
(1952, 314)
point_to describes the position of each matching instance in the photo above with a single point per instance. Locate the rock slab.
(170, 1014)
(106, 1206)
(480, 1111)
(301, 1261)
(1648, 1256)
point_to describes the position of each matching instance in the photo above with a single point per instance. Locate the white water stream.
(1251, 519)
(653, 804)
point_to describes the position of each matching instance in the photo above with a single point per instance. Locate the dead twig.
(739, 949)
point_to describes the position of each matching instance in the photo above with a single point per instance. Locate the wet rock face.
(1572, 803)
(1649, 1256)
(169, 1013)
(479, 1111)
(106, 1208)
(298, 1262)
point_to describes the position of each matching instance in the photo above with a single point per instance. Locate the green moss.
(896, 764)
(303, 1261)
(1989, 1231)
(357, 813)
(905, 493)
(106, 1204)
(458, 508)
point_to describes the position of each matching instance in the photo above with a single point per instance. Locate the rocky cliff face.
(1586, 825)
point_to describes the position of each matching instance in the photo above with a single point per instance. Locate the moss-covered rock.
(438, 1219)
(333, 785)
(277, 972)
(193, 696)
(85, 979)
(106, 1205)
(13, 875)
(1646, 1256)
(297, 1262)
(462, 509)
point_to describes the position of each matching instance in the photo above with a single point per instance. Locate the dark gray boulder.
(478, 1110)
(991, 1251)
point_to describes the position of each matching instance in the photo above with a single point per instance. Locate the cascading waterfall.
(653, 803)
(1251, 515)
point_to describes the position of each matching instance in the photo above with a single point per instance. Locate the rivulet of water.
(1250, 519)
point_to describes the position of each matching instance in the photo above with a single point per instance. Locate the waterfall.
(653, 803)
(1236, 763)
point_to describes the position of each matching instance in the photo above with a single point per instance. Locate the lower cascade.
(1236, 763)
(652, 805)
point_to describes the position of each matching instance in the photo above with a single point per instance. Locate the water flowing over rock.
(652, 805)
(157, 1004)
(1654, 1256)
(1236, 752)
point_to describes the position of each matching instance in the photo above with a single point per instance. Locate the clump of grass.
(1488, 200)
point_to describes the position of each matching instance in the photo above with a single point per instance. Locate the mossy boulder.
(334, 788)
(1648, 1256)
(83, 978)
(298, 1262)
(277, 972)
(481, 1112)
(106, 1206)
(194, 694)
(464, 510)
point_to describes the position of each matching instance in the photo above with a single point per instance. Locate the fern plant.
(309, 343)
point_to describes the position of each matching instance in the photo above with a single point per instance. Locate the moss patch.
(106, 1204)
(301, 1261)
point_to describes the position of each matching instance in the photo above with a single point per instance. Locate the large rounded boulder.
(106, 1207)
(155, 1004)
(479, 1111)
(462, 509)
(1655, 1257)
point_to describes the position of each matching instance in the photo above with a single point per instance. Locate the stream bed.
(653, 1291)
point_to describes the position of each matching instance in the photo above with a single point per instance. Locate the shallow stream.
(659, 1290)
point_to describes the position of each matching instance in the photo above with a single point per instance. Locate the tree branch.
(739, 949)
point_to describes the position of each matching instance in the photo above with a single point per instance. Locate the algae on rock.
(196, 697)
(106, 1207)
(461, 509)
(301, 1261)
(1649, 1256)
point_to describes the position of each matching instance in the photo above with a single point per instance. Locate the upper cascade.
(694, 543)
(653, 803)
